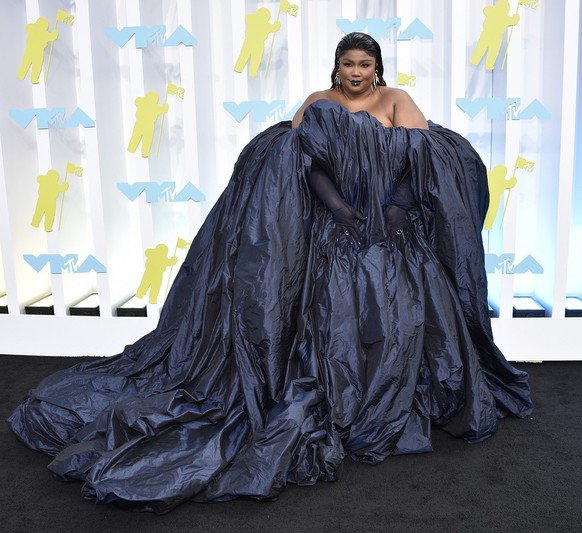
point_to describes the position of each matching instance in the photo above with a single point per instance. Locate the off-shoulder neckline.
(362, 111)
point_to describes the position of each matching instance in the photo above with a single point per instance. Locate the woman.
(358, 85)
(333, 303)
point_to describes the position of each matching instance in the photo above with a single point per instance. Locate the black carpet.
(527, 478)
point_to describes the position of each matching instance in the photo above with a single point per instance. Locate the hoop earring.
(337, 81)
(375, 81)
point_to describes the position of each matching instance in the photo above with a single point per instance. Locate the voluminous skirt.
(284, 344)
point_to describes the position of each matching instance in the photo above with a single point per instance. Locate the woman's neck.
(356, 98)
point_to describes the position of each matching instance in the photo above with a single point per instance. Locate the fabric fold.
(284, 345)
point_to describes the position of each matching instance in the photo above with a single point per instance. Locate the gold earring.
(337, 80)
(375, 81)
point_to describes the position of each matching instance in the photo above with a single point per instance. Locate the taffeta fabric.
(284, 344)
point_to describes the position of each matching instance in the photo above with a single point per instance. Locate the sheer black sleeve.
(345, 216)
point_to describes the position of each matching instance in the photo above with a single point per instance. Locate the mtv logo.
(509, 108)
(505, 263)
(64, 263)
(165, 191)
(381, 28)
(260, 110)
(145, 35)
(52, 117)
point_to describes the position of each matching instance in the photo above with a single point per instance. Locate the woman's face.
(356, 70)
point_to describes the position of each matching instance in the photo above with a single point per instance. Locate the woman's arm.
(345, 216)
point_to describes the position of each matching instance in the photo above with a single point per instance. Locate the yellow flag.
(287, 7)
(182, 244)
(65, 17)
(523, 163)
(529, 3)
(74, 169)
(175, 90)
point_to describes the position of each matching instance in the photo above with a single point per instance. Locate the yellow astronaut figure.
(49, 189)
(496, 21)
(257, 30)
(36, 42)
(146, 115)
(156, 263)
(497, 186)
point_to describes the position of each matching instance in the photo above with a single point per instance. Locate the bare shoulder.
(317, 95)
(396, 96)
(405, 111)
(326, 94)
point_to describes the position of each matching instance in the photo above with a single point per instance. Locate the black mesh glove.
(397, 220)
(396, 212)
(346, 217)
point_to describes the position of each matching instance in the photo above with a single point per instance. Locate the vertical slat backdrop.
(220, 110)
(569, 112)
(90, 159)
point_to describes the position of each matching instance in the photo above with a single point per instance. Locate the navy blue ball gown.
(284, 345)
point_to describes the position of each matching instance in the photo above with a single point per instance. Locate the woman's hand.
(348, 220)
(397, 220)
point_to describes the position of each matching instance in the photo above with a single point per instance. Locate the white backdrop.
(522, 116)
